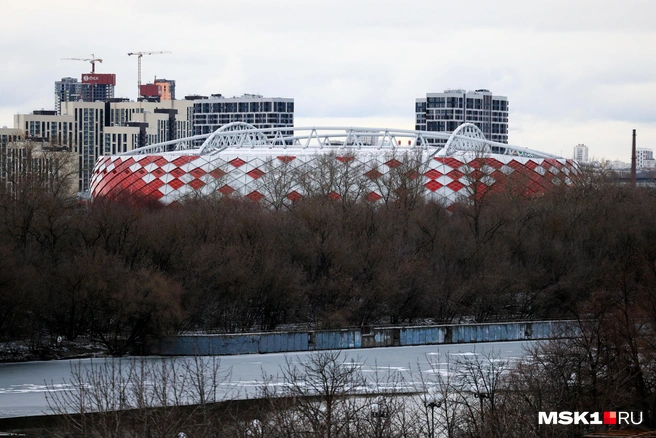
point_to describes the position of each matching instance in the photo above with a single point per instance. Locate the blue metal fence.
(277, 342)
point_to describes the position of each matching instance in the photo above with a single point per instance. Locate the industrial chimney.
(633, 160)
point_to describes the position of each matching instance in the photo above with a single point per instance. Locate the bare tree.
(139, 397)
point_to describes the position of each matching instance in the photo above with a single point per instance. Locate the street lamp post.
(378, 412)
(432, 399)
(480, 391)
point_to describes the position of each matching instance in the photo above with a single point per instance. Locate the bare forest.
(113, 272)
(116, 271)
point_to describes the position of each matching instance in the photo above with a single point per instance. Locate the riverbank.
(21, 351)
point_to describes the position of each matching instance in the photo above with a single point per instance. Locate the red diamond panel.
(455, 174)
(237, 162)
(535, 176)
(177, 172)
(125, 164)
(197, 172)
(334, 196)
(255, 173)
(476, 175)
(157, 172)
(373, 197)
(433, 185)
(393, 164)
(498, 176)
(531, 164)
(145, 159)
(176, 183)
(294, 196)
(160, 161)
(493, 162)
(477, 163)
(197, 184)
(226, 190)
(345, 159)
(155, 194)
(255, 196)
(137, 185)
(286, 158)
(497, 187)
(184, 160)
(373, 174)
(155, 184)
(412, 174)
(433, 174)
(217, 173)
(452, 162)
(515, 165)
(455, 185)
(549, 161)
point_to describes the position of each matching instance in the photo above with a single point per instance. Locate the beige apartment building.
(120, 125)
(39, 161)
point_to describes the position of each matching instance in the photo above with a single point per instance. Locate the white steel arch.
(239, 135)
(236, 134)
(466, 137)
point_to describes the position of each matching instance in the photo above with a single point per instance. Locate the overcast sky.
(574, 71)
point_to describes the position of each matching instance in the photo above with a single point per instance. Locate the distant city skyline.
(575, 72)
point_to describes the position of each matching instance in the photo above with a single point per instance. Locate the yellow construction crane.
(140, 55)
(92, 60)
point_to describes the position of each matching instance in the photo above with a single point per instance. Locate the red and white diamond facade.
(273, 166)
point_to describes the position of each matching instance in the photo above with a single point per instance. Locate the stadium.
(279, 166)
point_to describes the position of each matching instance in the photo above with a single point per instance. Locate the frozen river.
(23, 385)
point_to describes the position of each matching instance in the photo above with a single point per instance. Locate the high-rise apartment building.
(119, 125)
(100, 86)
(261, 112)
(446, 111)
(68, 90)
(93, 87)
(581, 153)
(644, 158)
(166, 88)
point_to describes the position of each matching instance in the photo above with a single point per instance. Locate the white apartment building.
(581, 153)
(445, 111)
(645, 158)
(261, 112)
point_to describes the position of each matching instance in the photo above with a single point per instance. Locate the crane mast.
(140, 55)
(92, 60)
